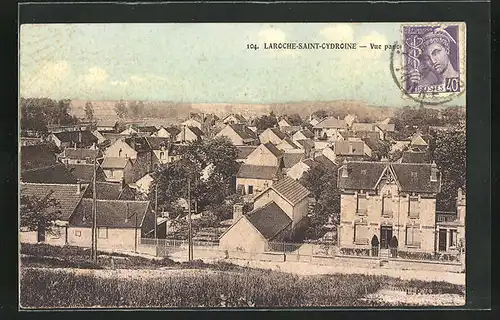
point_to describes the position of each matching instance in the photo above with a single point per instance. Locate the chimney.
(237, 211)
(434, 172)
(122, 184)
(78, 187)
(350, 147)
(126, 211)
(344, 169)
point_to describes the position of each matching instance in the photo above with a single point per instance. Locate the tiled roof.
(306, 143)
(372, 143)
(413, 157)
(172, 130)
(150, 129)
(275, 151)
(86, 137)
(258, 172)
(110, 213)
(111, 191)
(243, 131)
(114, 162)
(418, 141)
(157, 143)
(362, 126)
(244, 151)
(290, 189)
(412, 177)
(308, 134)
(80, 153)
(343, 148)
(310, 163)
(323, 160)
(238, 117)
(292, 158)
(66, 194)
(85, 172)
(54, 174)
(331, 123)
(269, 220)
(37, 156)
(360, 134)
(278, 132)
(291, 143)
(139, 144)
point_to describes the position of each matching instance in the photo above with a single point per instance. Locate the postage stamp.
(432, 59)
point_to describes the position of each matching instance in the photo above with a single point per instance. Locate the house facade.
(138, 150)
(79, 155)
(328, 127)
(117, 169)
(234, 119)
(189, 133)
(272, 135)
(239, 135)
(388, 204)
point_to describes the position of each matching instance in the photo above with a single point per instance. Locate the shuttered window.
(414, 207)
(387, 205)
(413, 236)
(362, 204)
(453, 238)
(102, 233)
(361, 234)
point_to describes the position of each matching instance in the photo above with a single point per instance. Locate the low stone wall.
(424, 265)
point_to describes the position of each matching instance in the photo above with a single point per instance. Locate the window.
(413, 236)
(102, 233)
(250, 189)
(413, 207)
(361, 234)
(453, 238)
(78, 233)
(387, 205)
(120, 153)
(162, 154)
(362, 204)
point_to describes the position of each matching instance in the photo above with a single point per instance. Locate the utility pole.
(190, 235)
(94, 213)
(156, 211)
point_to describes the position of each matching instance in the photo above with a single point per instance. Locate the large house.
(234, 119)
(302, 135)
(167, 132)
(164, 151)
(189, 133)
(329, 127)
(120, 224)
(138, 150)
(263, 166)
(76, 139)
(347, 150)
(239, 134)
(278, 212)
(388, 204)
(117, 169)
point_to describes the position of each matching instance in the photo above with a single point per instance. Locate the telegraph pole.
(156, 211)
(190, 235)
(94, 213)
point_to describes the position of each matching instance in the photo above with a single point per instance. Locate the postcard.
(242, 165)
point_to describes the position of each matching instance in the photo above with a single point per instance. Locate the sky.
(207, 63)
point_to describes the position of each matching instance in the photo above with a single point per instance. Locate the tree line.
(37, 114)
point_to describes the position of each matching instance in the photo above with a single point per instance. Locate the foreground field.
(55, 277)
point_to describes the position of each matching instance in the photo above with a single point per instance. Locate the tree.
(448, 149)
(266, 121)
(322, 182)
(121, 109)
(321, 113)
(295, 119)
(89, 111)
(32, 116)
(136, 109)
(380, 150)
(38, 213)
(38, 113)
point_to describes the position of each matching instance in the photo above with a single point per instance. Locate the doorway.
(442, 240)
(385, 236)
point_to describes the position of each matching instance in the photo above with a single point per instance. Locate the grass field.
(211, 285)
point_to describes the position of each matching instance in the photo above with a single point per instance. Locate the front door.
(442, 240)
(385, 236)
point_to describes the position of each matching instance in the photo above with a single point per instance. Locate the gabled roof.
(85, 172)
(306, 143)
(66, 194)
(243, 131)
(80, 153)
(269, 220)
(364, 175)
(390, 127)
(139, 144)
(278, 133)
(308, 134)
(291, 130)
(331, 123)
(414, 157)
(110, 213)
(310, 163)
(291, 143)
(258, 172)
(418, 140)
(156, 143)
(291, 190)
(84, 137)
(285, 120)
(37, 156)
(57, 173)
(172, 130)
(292, 158)
(196, 131)
(245, 151)
(327, 163)
(372, 143)
(114, 163)
(238, 117)
(110, 191)
(275, 151)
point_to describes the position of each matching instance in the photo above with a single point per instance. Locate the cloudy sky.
(206, 63)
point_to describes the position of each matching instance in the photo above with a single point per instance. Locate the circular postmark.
(400, 75)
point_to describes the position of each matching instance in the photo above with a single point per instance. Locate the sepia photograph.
(242, 165)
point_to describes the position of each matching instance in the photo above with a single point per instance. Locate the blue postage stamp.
(431, 61)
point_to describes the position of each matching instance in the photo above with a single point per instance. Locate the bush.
(428, 256)
(355, 251)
